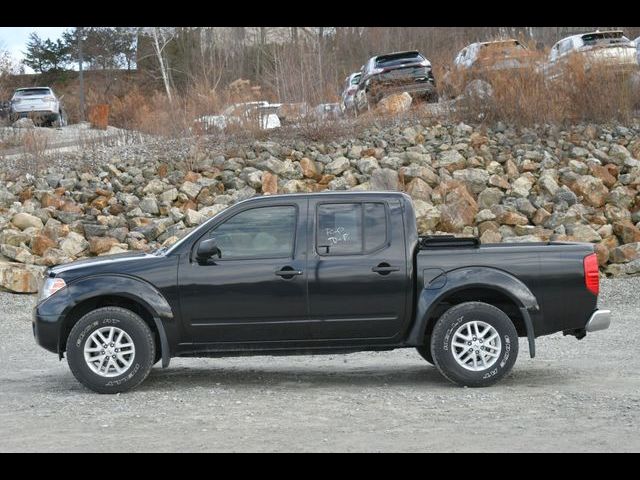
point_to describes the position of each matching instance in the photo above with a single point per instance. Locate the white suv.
(610, 49)
(39, 104)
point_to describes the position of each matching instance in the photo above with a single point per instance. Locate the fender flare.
(132, 288)
(474, 277)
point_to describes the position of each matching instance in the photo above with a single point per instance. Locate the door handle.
(288, 272)
(384, 269)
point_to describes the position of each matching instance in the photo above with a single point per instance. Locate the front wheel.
(425, 350)
(111, 350)
(474, 344)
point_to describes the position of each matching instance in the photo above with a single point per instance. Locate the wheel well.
(90, 304)
(485, 295)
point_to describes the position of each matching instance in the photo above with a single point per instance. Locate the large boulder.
(592, 190)
(427, 216)
(20, 278)
(459, 210)
(625, 253)
(74, 244)
(385, 179)
(395, 104)
(26, 220)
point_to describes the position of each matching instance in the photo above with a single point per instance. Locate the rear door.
(357, 270)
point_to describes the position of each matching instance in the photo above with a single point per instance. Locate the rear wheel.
(111, 350)
(474, 344)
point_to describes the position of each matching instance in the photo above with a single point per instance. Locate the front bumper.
(600, 320)
(46, 330)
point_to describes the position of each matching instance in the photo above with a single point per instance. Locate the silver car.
(38, 103)
(349, 92)
(610, 49)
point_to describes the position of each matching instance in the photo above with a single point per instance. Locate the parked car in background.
(292, 112)
(348, 92)
(608, 49)
(260, 114)
(391, 73)
(326, 111)
(40, 104)
(483, 60)
(5, 106)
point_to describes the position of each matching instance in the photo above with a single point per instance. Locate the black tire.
(425, 350)
(56, 121)
(443, 350)
(134, 326)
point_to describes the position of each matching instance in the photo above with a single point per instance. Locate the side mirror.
(207, 249)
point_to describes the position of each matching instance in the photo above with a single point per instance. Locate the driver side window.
(263, 232)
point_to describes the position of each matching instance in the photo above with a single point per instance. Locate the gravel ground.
(575, 396)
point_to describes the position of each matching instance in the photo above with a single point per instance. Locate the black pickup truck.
(316, 273)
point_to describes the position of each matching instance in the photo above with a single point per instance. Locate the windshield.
(393, 60)
(355, 79)
(32, 92)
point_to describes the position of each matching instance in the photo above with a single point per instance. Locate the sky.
(15, 39)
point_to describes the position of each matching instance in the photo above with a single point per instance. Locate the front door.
(256, 290)
(357, 271)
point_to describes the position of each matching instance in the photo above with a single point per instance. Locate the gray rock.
(168, 195)
(427, 216)
(74, 244)
(583, 233)
(149, 204)
(193, 218)
(384, 179)
(23, 123)
(338, 166)
(191, 189)
(450, 157)
(155, 186)
(26, 220)
(366, 165)
(475, 178)
(563, 194)
(489, 197)
(618, 154)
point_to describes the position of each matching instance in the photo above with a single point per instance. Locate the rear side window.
(375, 226)
(351, 228)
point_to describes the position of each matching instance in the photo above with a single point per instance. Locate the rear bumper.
(600, 320)
(419, 88)
(33, 113)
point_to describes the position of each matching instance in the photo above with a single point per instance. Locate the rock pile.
(501, 184)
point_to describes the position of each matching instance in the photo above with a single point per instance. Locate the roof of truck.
(332, 193)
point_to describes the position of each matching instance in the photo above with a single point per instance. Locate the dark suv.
(395, 73)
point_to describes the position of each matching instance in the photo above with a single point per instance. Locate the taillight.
(591, 273)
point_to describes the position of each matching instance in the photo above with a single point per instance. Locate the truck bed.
(553, 271)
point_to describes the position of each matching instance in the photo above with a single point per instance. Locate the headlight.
(51, 286)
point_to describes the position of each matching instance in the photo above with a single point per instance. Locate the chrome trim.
(600, 320)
